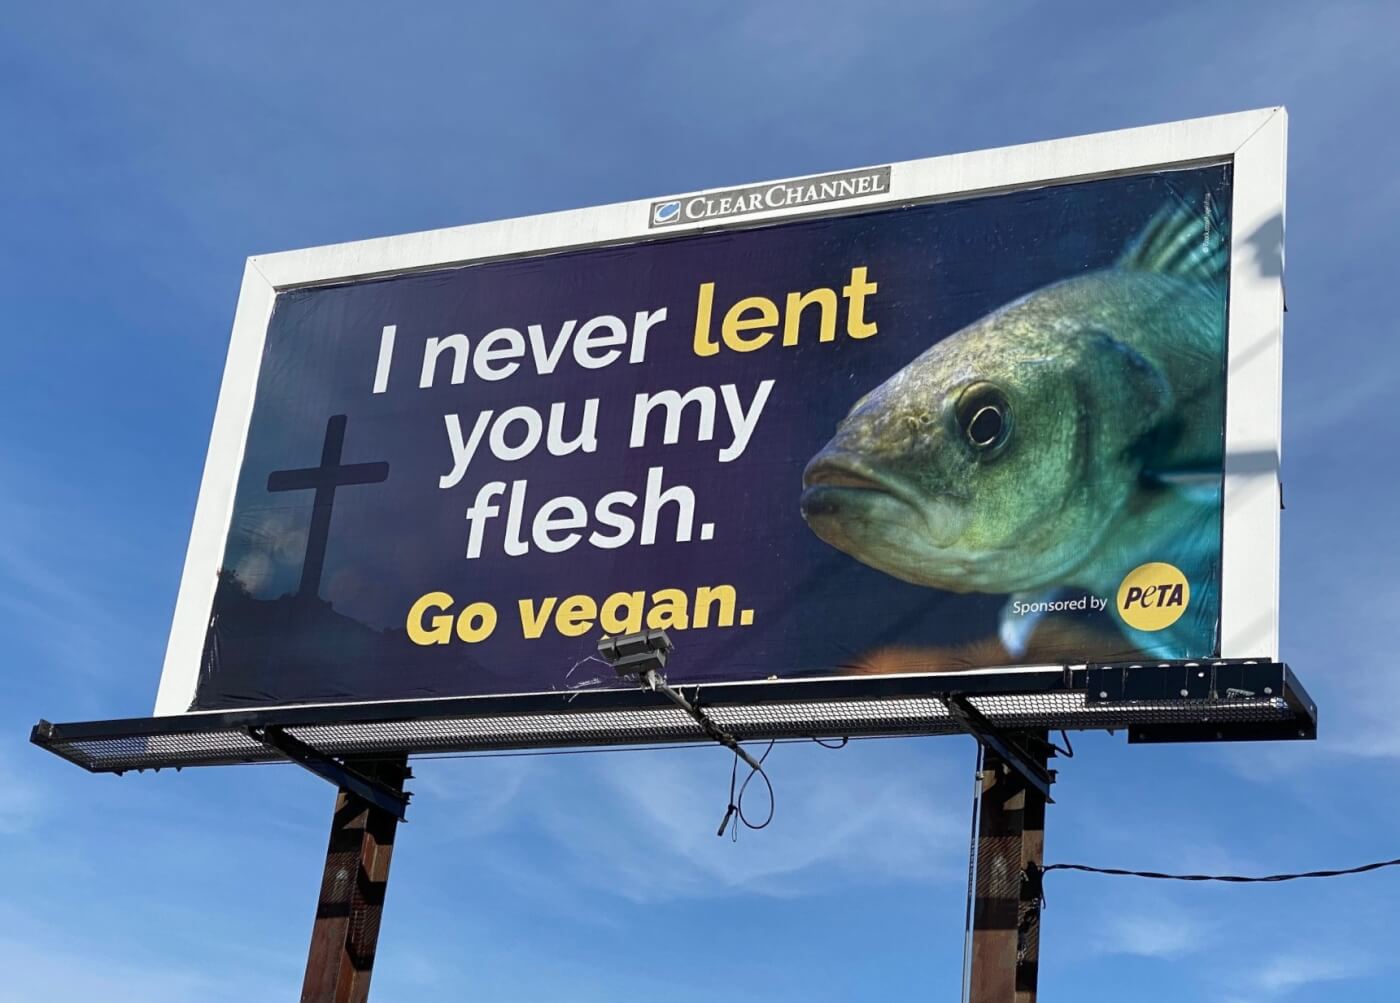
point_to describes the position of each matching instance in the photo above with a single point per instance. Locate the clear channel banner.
(934, 437)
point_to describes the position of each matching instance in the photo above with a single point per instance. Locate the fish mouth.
(846, 501)
(826, 474)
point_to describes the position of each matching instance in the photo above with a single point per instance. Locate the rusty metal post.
(1006, 913)
(341, 959)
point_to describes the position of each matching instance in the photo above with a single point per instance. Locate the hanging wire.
(735, 808)
(736, 802)
(1239, 879)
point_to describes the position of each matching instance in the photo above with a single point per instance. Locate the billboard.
(1004, 409)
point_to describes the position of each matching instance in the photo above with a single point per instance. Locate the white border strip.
(213, 511)
(1254, 139)
(1249, 589)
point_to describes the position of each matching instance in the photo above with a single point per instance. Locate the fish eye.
(984, 416)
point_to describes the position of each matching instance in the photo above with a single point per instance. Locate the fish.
(1055, 444)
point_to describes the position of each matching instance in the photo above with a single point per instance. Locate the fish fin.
(1201, 487)
(1188, 242)
(1016, 629)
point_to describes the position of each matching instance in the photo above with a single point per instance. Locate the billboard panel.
(859, 424)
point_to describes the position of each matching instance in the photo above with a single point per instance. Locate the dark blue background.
(939, 267)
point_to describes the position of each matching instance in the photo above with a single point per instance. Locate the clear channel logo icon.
(666, 212)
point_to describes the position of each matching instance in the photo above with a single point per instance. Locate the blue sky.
(149, 148)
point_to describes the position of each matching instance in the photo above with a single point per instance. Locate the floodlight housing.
(636, 654)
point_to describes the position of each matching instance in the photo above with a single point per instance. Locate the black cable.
(736, 803)
(1066, 750)
(1240, 879)
(772, 802)
(736, 799)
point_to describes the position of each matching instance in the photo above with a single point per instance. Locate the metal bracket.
(644, 655)
(329, 768)
(972, 721)
(1217, 679)
(1206, 684)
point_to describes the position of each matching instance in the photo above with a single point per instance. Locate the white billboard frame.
(1255, 142)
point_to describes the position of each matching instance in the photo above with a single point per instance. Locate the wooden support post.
(343, 940)
(1006, 912)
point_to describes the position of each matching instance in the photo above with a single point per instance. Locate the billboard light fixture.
(637, 654)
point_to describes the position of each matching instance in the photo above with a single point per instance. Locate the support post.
(346, 931)
(1010, 856)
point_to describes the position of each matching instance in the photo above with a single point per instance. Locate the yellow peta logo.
(1153, 596)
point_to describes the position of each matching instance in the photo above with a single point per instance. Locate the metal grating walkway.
(1152, 702)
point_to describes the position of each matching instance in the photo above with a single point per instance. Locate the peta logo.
(1153, 596)
(665, 212)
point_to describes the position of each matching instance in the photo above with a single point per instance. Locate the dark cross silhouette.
(324, 479)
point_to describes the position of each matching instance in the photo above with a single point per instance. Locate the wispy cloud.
(22, 801)
(840, 822)
(1165, 931)
(642, 827)
(58, 590)
(49, 971)
(477, 797)
(1359, 701)
(42, 961)
(1285, 973)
